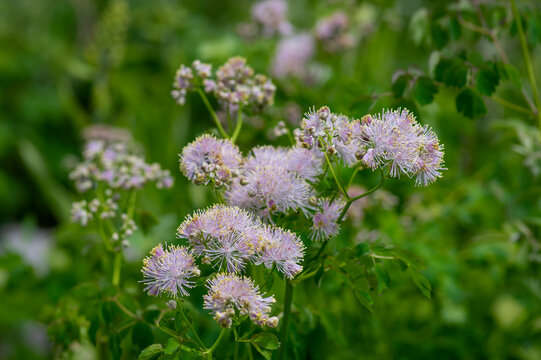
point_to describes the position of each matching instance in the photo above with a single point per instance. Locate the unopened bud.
(171, 304)
(331, 150)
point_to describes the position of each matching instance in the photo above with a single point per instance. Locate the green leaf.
(171, 346)
(361, 249)
(151, 352)
(400, 84)
(487, 80)
(365, 299)
(454, 28)
(452, 72)
(470, 103)
(509, 72)
(421, 282)
(440, 37)
(267, 354)
(86, 291)
(266, 341)
(319, 274)
(383, 278)
(142, 334)
(424, 90)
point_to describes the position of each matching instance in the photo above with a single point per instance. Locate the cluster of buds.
(83, 211)
(234, 84)
(271, 17)
(279, 130)
(188, 77)
(115, 166)
(333, 32)
(331, 133)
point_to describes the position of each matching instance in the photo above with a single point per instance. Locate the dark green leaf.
(454, 29)
(383, 278)
(470, 103)
(487, 80)
(508, 72)
(365, 299)
(267, 354)
(151, 352)
(319, 274)
(266, 341)
(440, 36)
(452, 72)
(361, 249)
(400, 84)
(142, 334)
(424, 90)
(421, 282)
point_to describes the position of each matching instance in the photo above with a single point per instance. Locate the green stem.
(527, 60)
(346, 207)
(236, 354)
(335, 177)
(288, 299)
(290, 137)
(510, 105)
(216, 343)
(197, 338)
(117, 265)
(238, 125)
(212, 113)
(351, 200)
(219, 196)
(352, 177)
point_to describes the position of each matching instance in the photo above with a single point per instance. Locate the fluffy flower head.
(325, 224)
(169, 271)
(208, 159)
(230, 295)
(395, 138)
(226, 234)
(281, 248)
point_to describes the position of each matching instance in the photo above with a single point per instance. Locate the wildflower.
(117, 167)
(281, 248)
(332, 32)
(80, 213)
(223, 235)
(325, 223)
(230, 296)
(208, 159)
(306, 164)
(237, 84)
(395, 138)
(335, 134)
(183, 82)
(268, 189)
(271, 15)
(169, 271)
(292, 56)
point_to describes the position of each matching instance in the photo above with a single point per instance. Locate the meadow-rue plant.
(110, 175)
(264, 195)
(301, 201)
(271, 17)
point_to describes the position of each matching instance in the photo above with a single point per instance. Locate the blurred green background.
(68, 64)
